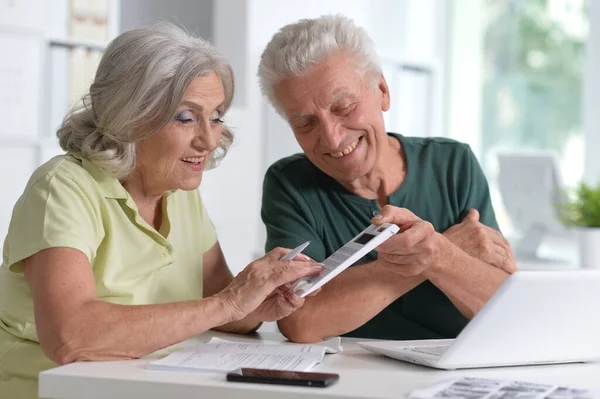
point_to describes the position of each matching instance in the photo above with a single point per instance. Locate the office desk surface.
(362, 375)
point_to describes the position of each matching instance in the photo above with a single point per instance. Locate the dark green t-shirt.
(443, 182)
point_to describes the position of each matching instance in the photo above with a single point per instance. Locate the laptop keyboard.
(438, 350)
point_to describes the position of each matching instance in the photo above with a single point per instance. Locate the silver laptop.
(535, 317)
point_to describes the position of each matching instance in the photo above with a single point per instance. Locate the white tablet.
(346, 256)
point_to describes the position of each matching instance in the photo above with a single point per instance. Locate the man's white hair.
(297, 47)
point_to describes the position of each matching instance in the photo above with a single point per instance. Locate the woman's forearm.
(99, 330)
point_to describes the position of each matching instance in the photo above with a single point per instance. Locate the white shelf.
(71, 43)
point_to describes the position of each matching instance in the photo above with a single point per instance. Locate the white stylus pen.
(292, 254)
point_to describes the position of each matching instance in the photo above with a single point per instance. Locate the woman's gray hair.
(308, 42)
(138, 86)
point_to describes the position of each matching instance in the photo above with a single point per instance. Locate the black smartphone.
(283, 377)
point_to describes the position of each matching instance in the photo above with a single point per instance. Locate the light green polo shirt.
(68, 202)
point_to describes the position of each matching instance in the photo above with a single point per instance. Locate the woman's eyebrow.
(199, 106)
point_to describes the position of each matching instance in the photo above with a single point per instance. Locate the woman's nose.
(207, 137)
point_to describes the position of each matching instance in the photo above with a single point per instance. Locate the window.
(527, 95)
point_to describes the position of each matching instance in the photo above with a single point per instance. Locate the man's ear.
(385, 93)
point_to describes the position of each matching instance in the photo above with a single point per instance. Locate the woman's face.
(175, 157)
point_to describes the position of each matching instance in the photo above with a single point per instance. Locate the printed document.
(219, 355)
(483, 388)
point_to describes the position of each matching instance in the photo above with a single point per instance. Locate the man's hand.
(482, 242)
(415, 248)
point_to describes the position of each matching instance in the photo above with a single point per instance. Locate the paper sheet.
(203, 361)
(331, 345)
(482, 388)
(222, 355)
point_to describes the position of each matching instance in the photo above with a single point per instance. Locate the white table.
(362, 375)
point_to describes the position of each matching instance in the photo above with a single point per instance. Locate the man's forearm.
(247, 325)
(347, 302)
(467, 281)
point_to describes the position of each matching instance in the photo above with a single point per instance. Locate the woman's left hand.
(279, 304)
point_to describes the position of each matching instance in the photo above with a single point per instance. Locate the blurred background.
(515, 79)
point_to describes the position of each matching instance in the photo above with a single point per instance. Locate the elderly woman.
(110, 253)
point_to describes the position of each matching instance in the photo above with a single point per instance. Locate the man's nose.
(331, 134)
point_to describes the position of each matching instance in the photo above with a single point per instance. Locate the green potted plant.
(580, 208)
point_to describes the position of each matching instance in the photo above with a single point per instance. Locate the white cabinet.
(20, 82)
(38, 42)
(23, 14)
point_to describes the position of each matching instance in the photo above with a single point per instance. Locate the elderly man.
(324, 77)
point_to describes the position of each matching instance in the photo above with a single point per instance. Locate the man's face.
(337, 117)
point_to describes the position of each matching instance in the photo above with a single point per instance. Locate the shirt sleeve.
(287, 216)
(53, 212)
(476, 194)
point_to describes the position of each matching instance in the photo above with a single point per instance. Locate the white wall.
(195, 15)
(23, 14)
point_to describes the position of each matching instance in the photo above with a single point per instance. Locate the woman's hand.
(262, 288)
(279, 304)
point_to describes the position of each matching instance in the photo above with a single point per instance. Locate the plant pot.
(589, 247)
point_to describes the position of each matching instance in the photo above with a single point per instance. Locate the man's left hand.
(482, 242)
